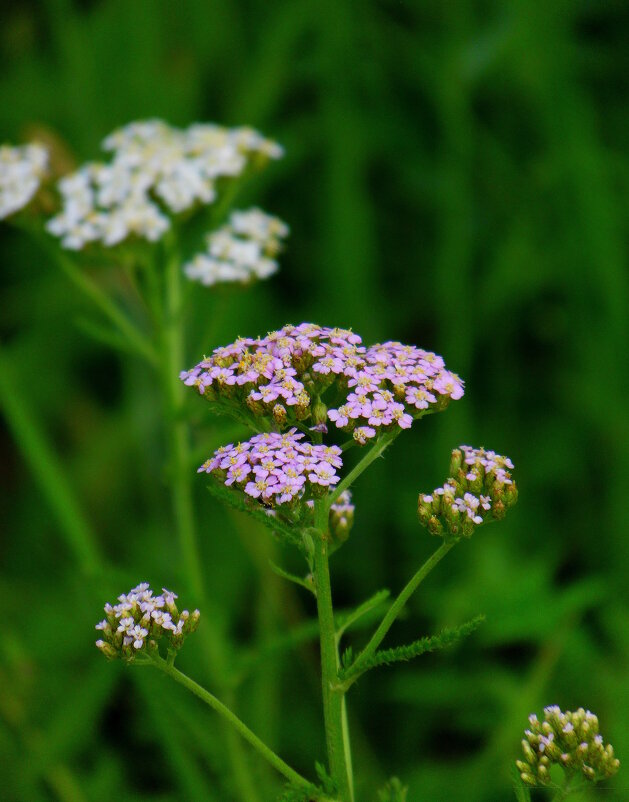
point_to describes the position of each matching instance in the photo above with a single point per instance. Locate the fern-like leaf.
(432, 643)
(325, 792)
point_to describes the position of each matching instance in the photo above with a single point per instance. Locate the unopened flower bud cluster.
(318, 374)
(22, 169)
(480, 489)
(141, 621)
(277, 469)
(156, 171)
(570, 740)
(241, 251)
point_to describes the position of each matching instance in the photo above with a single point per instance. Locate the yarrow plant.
(140, 622)
(22, 170)
(570, 741)
(318, 375)
(308, 396)
(479, 490)
(160, 192)
(242, 250)
(156, 172)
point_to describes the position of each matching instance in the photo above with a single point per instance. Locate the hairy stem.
(336, 730)
(241, 728)
(397, 606)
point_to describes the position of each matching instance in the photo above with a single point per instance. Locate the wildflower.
(242, 250)
(21, 171)
(287, 376)
(276, 469)
(139, 621)
(570, 740)
(156, 171)
(480, 490)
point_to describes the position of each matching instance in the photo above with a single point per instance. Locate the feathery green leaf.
(431, 643)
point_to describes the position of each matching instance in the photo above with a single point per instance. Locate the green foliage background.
(457, 176)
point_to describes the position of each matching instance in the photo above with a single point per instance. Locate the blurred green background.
(457, 176)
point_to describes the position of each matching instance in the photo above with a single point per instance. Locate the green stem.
(566, 789)
(172, 345)
(395, 609)
(47, 470)
(136, 339)
(374, 452)
(263, 750)
(171, 365)
(336, 731)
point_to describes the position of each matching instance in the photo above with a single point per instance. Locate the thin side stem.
(48, 472)
(566, 789)
(133, 336)
(336, 731)
(261, 748)
(372, 454)
(172, 345)
(397, 606)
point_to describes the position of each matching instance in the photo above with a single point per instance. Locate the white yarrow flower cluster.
(156, 171)
(242, 250)
(21, 171)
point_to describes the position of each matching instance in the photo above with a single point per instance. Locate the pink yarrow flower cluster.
(142, 618)
(276, 468)
(290, 372)
(479, 489)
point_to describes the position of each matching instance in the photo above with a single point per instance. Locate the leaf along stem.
(395, 609)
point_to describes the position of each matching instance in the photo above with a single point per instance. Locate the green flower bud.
(319, 412)
(570, 740)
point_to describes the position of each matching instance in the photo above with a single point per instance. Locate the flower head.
(240, 251)
(156, 171)
(570, 740)
(480, 490)
(21, 171)
(141, 620)
(276, 469)
(289, 375)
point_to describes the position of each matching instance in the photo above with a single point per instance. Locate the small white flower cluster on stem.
(22, 169)
(479, 489)
(141, 620)
(570, 740)
(156, 171)
(242, 250)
